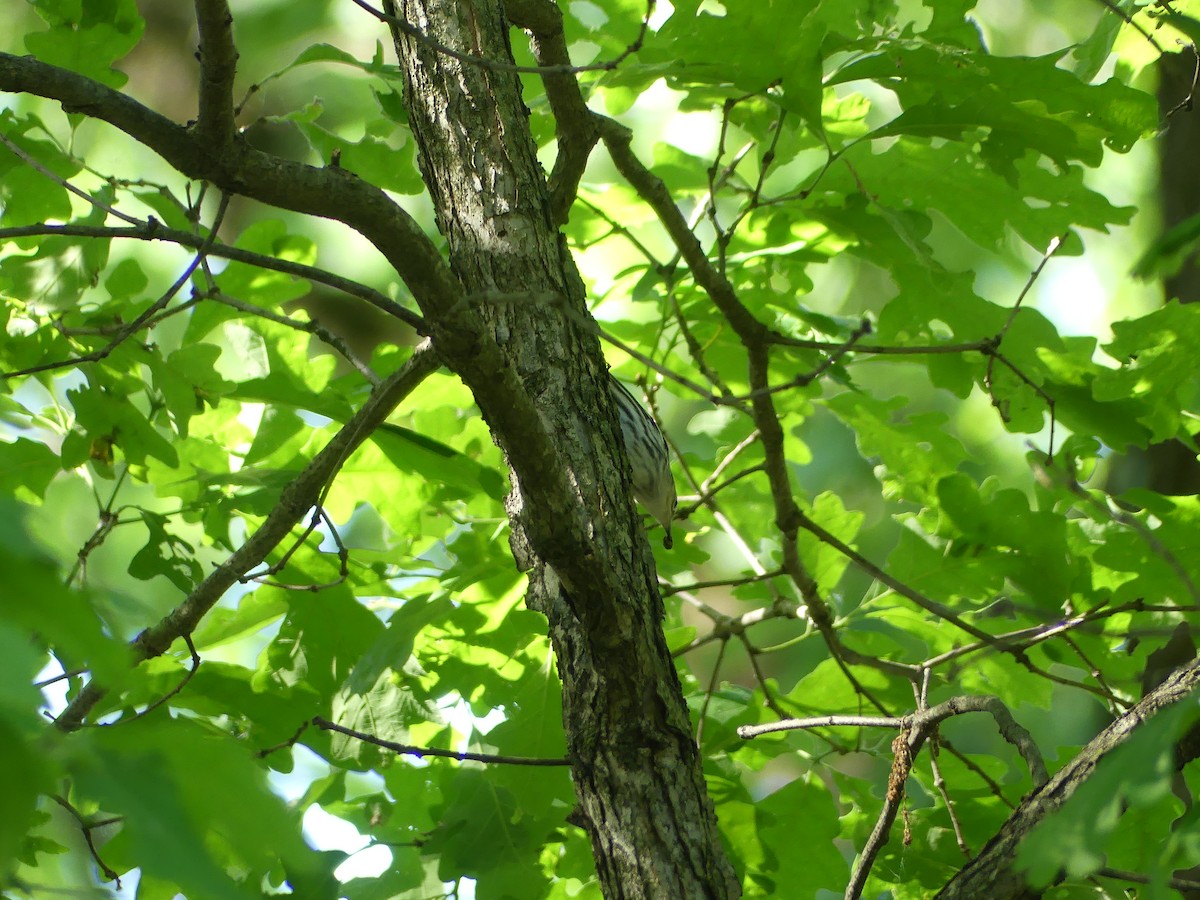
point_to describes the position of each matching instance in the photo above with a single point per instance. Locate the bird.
(649, 458)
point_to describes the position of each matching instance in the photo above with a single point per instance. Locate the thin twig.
(420, 752)
(768, 694)
(290, 742)
(708, 693)
(311, 326)
(319, 515)
(1188, 102)
(939, 783)
(670, 589)
(17, 151)
(86, 827)
(994, 354)
(929, 605)
(188, 676)
(152, 230)
(138, 323)
(1113, 8)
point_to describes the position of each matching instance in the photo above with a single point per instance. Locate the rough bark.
(637, 772)
(540, 382)
(993, 872)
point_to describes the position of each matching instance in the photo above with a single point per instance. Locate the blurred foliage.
(845, 162)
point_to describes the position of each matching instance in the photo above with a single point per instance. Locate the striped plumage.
(649, 459)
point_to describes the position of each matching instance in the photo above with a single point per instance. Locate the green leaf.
(824, 562)
(1029, 546)
(165, 554)
(25, 775)
(62, 618)
(253, 611)
(483, 835)
(915, 452)
(126, 280)
(266, 287)
(759, 832)
(391, 168)
(1154, 351)
(209, 822)
(88, 37)
(375, 698)
(114, 421)
(27, 194)
(27, 467)
(188, 379)
(411, 451)
(319, 642)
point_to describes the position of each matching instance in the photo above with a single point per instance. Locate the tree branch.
(218, 68)
(652, 189)
(914, 729)
(420, 752)
(922, 723)
(993, 872)
(155, 231)
(330, 193)
(297, 498)
(574, 125)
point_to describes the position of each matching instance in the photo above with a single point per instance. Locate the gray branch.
(993, 872)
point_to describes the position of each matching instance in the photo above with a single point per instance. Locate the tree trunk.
(636, 768)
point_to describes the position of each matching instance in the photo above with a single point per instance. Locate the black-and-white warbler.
(649, 460)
